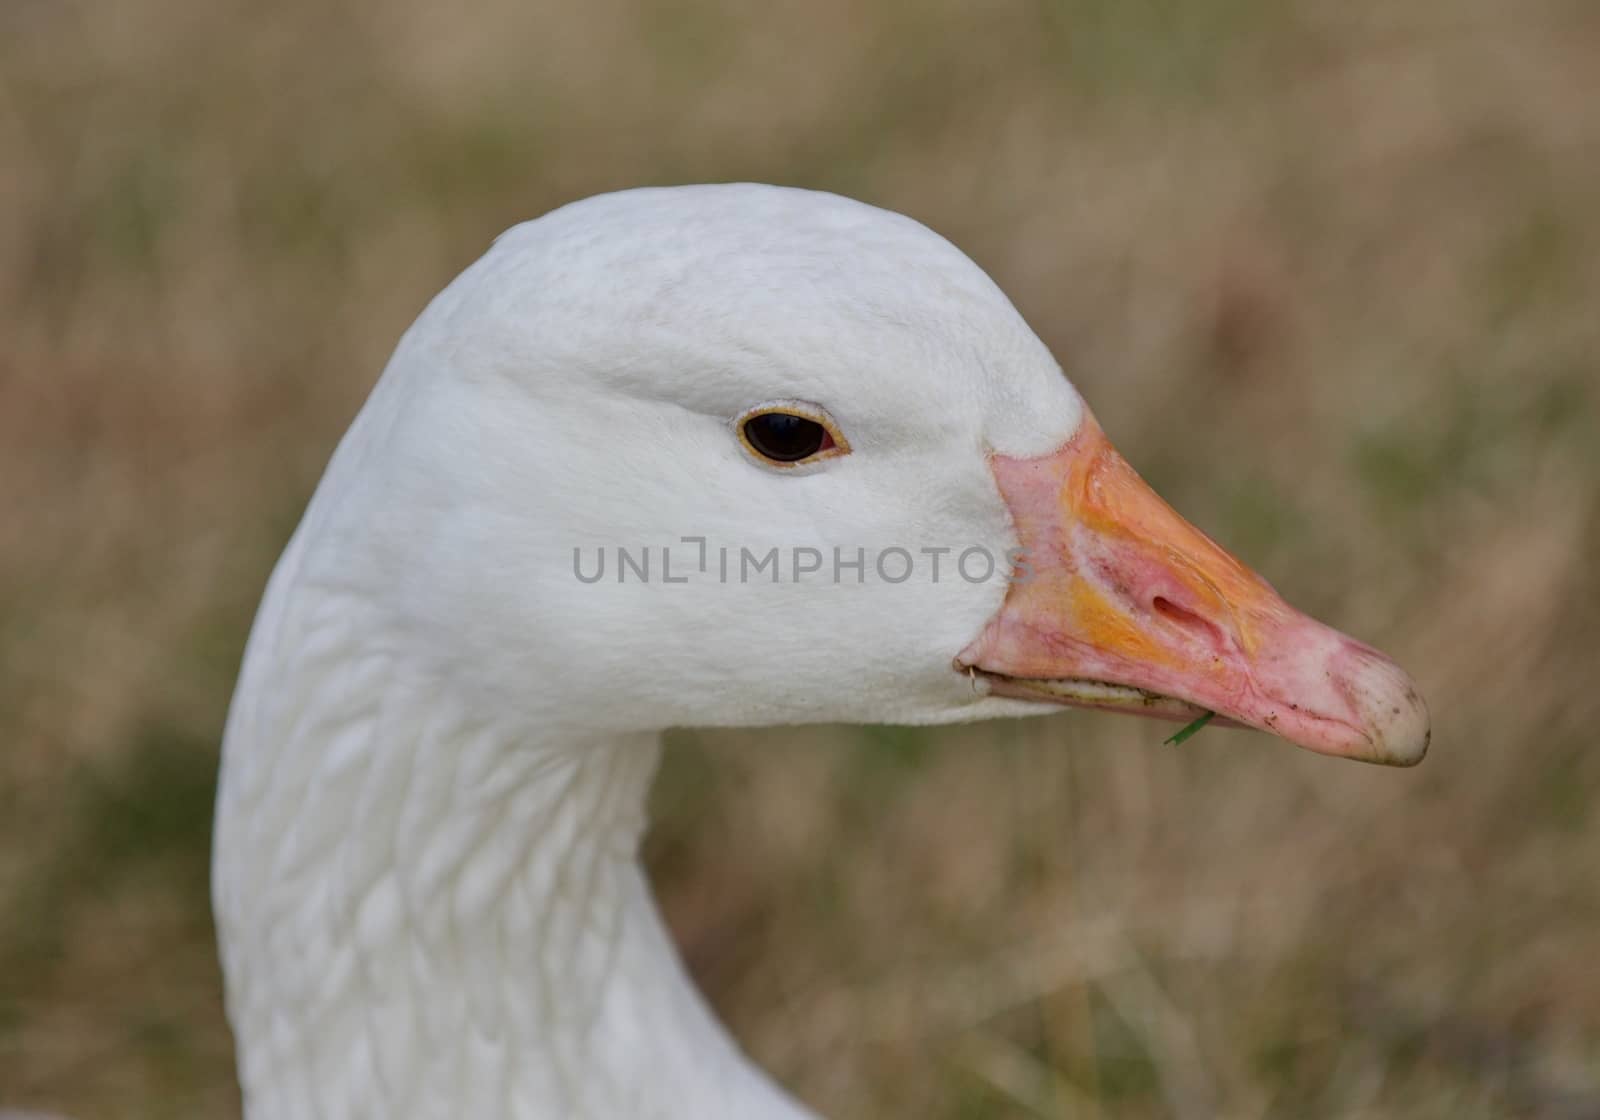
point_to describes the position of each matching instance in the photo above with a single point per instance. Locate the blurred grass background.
(1328, 273)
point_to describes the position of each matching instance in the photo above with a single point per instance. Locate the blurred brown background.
(1329, 273)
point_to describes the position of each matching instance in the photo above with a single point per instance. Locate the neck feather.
(426, 913)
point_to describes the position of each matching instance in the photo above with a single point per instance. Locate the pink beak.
(1120, 603)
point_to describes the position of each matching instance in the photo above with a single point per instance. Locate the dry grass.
(1329, 274)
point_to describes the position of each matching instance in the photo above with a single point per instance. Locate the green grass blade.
(1189, 729)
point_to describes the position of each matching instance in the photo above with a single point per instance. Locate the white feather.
(437, 759)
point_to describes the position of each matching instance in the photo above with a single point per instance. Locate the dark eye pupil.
(784, 437)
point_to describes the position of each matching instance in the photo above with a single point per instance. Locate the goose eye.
(784, 437)
(787, 436)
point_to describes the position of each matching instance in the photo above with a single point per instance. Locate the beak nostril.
(1182, 616)
(1168, 609)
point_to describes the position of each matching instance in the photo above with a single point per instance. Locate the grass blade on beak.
(1188, 730)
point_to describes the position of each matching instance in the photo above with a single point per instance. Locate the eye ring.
(786, 434)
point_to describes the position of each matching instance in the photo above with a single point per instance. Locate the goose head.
(743, 455)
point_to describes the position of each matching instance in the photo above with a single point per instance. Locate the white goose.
(436, 762)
